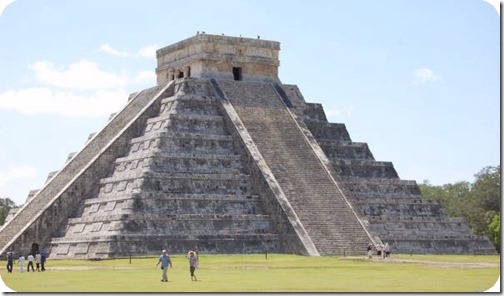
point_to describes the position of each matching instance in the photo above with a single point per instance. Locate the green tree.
(478, 203)
(5, 205)
(485, 199)
(452, 197)
(495, 229)
(487, 188)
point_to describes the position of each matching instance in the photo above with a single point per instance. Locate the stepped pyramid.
(222, 157)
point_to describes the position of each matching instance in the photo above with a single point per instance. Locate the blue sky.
(419, 81)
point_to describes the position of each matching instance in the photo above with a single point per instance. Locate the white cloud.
(145, 77)
(423, 75)
(19, 172)
(81, 75)
(148, 51)
(66, 103)
(108, 49)
(80, 89)
(144, 52)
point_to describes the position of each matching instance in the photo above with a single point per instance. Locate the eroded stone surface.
(223, 158)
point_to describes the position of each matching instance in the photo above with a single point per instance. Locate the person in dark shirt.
(42, 261)
(370, 250)
(10, 261)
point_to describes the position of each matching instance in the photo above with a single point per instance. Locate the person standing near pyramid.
(21, 261)
(10, 261)
(38, 260)
(193, 264)
(164, 259)
(30, 262)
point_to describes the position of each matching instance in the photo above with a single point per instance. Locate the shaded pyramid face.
(180, 186)
(392, 208)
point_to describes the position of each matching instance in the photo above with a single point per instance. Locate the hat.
(164, 251)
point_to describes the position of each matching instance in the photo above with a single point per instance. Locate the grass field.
(255, 273)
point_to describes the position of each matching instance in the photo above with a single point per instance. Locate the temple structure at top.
(219, 57)
(222, 157)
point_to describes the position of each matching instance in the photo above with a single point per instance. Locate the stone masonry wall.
(59, 199)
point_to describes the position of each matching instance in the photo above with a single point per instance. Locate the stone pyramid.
(221, 157)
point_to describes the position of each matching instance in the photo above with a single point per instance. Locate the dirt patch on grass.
(448, 264)
(434, 263)
(87, 267)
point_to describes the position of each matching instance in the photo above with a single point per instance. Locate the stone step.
(364, 168)
(139, 244)
(189, 123)
(328, 130)
(194, 219)
(298, 172)
(166, 237)
(170, 204)
(172, 197)
(179, 155)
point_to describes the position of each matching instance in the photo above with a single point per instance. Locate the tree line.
(5, 205)
(479, 203)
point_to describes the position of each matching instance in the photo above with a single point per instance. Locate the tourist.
(42, 261)
(21, 261)
(10, 261)
(370, 250)
(379, 249)
(30, 262)
(38, 259)
(193, 264)
(386, 249)
(164, 259)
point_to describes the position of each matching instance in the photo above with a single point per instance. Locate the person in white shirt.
(21, 261)
(30, 263)
(386, 250)
(379, 248)
(38, 260)
(193, 264)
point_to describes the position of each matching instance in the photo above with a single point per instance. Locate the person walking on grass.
(30, 262)
(193, 264)
(370, 250)
(10, 261)
(379, 248)
(21, 261)
(38, 259)
(386, 249)
(164, 259)
(42, 260)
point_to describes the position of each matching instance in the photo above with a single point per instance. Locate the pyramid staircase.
(318, 203)
(393, 208)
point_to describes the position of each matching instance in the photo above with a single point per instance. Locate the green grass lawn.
(255, 273)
